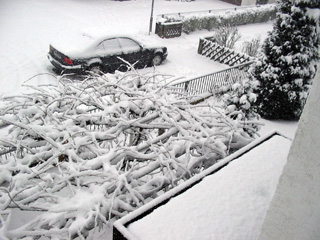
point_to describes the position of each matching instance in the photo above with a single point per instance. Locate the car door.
(109, 50)
(132, 52)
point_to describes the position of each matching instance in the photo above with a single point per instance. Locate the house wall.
(235, 2)
(248, 2)
(294, 212)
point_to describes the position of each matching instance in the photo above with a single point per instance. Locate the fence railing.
(209, 48)
(211, 83)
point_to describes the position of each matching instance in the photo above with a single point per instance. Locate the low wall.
(294, 212)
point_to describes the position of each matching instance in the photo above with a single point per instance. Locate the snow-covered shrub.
(252, 47)
(191, 25)
(226, 35)
(287, 64)
(209, 21)
(238, 100)
(81, 154)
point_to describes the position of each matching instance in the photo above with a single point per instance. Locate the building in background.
(249, 2)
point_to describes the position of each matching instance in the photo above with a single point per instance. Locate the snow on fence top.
(212, 83)
(208, 47)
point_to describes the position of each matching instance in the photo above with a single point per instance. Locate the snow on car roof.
(80, 42)
(77, 44)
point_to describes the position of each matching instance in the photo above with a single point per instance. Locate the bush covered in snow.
(226, 35)
(83, 153)
(209, 21)
(288, 61)
(253, 47)
(238, 100)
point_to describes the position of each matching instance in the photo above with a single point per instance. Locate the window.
(110, 46)
(128, 45)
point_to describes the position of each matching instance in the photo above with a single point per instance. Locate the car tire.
(156, 60)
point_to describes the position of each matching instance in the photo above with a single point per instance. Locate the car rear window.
(110, 46)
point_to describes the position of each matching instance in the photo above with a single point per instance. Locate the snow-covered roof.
(229, 204)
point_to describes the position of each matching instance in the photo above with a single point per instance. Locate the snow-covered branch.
(83, 153)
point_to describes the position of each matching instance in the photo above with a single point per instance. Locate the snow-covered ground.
(237, 213)
(27, 27)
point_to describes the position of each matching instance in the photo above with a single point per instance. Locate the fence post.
(200, 46)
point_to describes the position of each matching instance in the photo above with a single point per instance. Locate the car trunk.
(57, 55)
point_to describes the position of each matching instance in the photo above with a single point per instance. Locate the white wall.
(294, 212)
(248, 2)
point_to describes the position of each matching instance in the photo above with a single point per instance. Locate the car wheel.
(156, 61)
(95, 69)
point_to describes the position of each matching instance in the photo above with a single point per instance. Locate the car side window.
(110, 46)
(129, 45)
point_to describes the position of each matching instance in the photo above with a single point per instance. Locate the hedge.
(193, 22)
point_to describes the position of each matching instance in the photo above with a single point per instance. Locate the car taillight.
(67, 61)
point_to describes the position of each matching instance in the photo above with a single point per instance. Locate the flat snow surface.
(230, 204)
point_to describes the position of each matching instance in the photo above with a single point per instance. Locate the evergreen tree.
(287, 63)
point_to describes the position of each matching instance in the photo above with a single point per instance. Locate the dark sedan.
(107, 55)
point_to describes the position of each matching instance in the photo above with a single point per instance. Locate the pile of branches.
(81, 153)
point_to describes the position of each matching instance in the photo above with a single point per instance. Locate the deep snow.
(230, 204)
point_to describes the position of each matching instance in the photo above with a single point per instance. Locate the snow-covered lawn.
(28, 27)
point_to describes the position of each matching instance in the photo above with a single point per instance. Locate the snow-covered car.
(107, 55)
